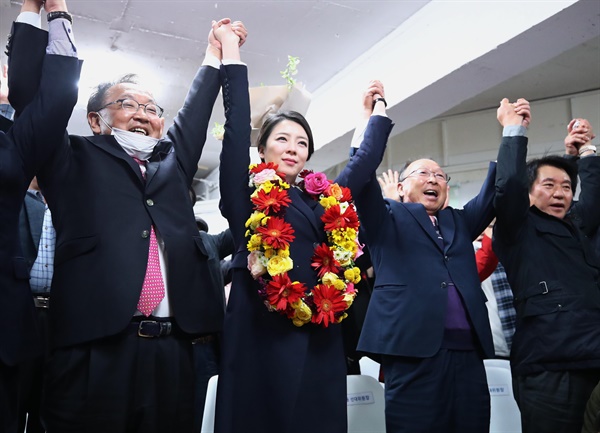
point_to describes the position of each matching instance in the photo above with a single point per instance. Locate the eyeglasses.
(424, 174)
(131, 106)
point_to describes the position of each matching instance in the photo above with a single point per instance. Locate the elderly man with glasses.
(130, 293)
(426, 319)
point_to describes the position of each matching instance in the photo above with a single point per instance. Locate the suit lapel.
(306, 206)
(418, 212)
(35, 217)
(108, 144)
(447, 227)
(157, 159)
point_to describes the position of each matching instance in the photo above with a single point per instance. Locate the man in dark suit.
(542, 239)
(37, 244)
(427, 316)
(129, 291)
(23, 148)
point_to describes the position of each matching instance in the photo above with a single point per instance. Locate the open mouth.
(138, 131)
(431, 193)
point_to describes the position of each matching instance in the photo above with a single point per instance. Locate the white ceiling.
(164, 41)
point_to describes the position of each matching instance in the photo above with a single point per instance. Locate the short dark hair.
(275, 119)
(96, 101)
(556, 161)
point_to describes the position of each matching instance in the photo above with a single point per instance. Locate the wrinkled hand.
(374, 90)
(389, 184)
(580, 133)
(517, 113)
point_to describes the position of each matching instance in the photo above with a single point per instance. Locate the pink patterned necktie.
(153, 289)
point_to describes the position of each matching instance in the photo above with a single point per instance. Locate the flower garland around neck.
(269, 242)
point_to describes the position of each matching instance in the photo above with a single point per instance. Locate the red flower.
(328, 301)
(346, 194)
(277, 233)
(264, 166)
(323, 260)
(272, 202)
(333, 219)
(281, 292)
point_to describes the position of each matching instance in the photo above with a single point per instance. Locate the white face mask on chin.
(135, 145)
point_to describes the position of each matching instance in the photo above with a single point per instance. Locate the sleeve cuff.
(514, 131)
(212, 61)
(30, 18)
(233, 62)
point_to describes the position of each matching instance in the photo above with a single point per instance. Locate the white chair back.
(505, 414)
(366, 405)
(208, 419)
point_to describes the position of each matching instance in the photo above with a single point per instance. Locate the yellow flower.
(327, 202)
(303, 311)
(329, 278)
(284, 252)
(254, 243)
(342, 317)
(266, 186)
(349, 246)
(343, 235)
(255, 220)
(352, 275)
(339, 284)
(349, 298)
(269, 252)
(278, 265)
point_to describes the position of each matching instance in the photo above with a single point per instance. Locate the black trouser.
(121, 384)
(8, 398)
(445, 393)
(30, 382)
(554, 401)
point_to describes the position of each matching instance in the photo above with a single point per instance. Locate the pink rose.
(316, 183)
(255, 264)
(265, 175)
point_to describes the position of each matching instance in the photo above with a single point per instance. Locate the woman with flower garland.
(283, 364)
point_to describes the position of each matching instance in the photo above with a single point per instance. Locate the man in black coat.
(541, 238)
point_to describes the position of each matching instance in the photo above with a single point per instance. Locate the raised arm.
(579, 141)
(189, 129)
(41, 127)
(512, 191)
(235, 158)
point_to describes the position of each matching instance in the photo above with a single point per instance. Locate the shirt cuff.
(212, 61)
(61, 40)
(359, 134)
(514, 131)
(30, 18)
(7, 111)
(233, 62)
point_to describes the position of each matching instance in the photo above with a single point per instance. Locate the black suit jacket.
(103, 210)
(31, 219)
(407, 310)
(23, 149)
(217, 247)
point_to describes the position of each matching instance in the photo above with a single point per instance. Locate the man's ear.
(162, 126)
(400, 191)
(93, 119)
